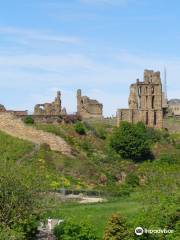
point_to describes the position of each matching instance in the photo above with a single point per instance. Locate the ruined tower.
(88, 108)
(145, 102)
(53, 108)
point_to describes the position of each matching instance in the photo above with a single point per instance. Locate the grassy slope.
(91, 160)
(12, 148)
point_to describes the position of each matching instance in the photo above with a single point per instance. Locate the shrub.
(131, 141)
(101, 133)
(70, 230)
(132, 179)
(28, 120)
(116, 229)
(79, 128)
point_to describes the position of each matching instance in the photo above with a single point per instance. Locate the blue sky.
(100, 46)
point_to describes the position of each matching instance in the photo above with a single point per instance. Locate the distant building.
(174, 107)
(146, 102)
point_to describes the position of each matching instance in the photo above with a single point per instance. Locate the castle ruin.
(146, 102)
(88, 108)
(50, 109)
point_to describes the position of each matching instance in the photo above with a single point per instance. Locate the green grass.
(13, 148)
(99, 213)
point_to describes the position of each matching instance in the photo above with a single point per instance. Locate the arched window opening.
(153, 100)
(147, 118)
(155, 118)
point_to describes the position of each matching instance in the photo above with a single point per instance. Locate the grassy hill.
(94, 166)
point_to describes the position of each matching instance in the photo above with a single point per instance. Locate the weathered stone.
(174, 107)
(88, 108)
(52, 109)
(145, 102)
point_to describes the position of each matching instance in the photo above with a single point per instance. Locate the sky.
(100, 46)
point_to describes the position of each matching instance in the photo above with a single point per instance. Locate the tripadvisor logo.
(139, 231)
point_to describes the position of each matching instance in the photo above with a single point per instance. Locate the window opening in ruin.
(153, 102)
(152, 89)
(147, 118)
(146, 90)
(139, 91)
(139, 102)
(146, 101)
(155, 118)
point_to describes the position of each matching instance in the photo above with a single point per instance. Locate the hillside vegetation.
(145, 192)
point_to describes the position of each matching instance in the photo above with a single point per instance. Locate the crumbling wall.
(52, 109)
(88, 108)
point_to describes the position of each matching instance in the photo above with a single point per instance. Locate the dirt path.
(15, 127)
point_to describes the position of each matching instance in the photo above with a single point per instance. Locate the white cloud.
(39, 35)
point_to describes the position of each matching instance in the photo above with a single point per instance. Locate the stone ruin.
(16, 113)
(88, 108)
(146, 102)
(51, 109)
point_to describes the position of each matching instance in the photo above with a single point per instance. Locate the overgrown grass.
(99, 213)
(13, 148)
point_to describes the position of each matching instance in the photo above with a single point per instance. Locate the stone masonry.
(145, 102)
(88, 108)
(51, 109)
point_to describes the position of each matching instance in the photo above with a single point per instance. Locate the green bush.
(117, 229)
(28, 120)
(10, 234)
(131, 141)
(101, 133)
(71, 230)
(79, 128)
(132, 179)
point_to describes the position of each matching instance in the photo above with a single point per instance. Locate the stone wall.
(174, 107)
(55, 119)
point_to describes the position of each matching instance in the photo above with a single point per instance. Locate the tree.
(116, 229)
(131, 141)
(19, 205)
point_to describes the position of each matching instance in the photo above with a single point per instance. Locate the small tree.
(28, 120)
(131, 141)
(19, 205)
(116, 229)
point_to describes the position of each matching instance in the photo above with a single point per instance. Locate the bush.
(79, 128)
(116, 229)
(28, 120)
(132, 179)
(10, 234)
(101, 133)
(131, 141)
(70, 230)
